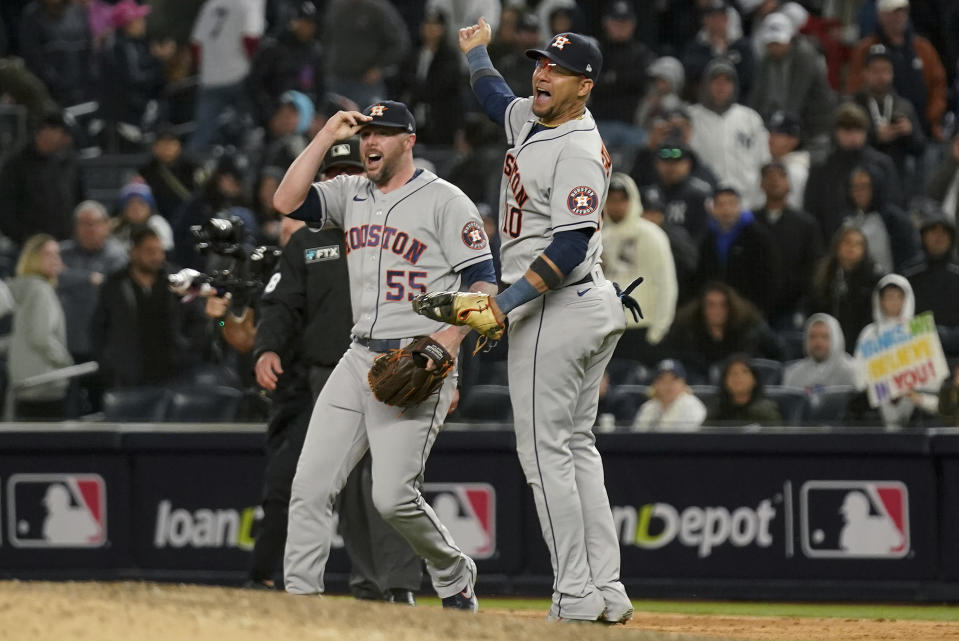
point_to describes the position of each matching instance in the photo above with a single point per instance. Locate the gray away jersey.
(555, 181)
(410, 241)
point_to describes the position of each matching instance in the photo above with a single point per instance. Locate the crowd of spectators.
(779, 169)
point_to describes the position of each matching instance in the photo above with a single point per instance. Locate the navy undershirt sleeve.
(568, 248)
(311, 210)
(476, 273)
(492, 92)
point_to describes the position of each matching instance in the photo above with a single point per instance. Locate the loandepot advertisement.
(837, 519)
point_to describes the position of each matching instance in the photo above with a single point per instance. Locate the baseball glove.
(461, 308)
(399, 377)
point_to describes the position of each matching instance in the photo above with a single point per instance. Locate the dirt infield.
(162, 612)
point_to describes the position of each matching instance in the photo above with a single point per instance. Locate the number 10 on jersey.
(512, 221)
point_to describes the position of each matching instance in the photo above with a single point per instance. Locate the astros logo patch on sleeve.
(473, 235)
(582, 200)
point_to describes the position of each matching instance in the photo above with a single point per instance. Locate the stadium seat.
(486, 403)
(104, 175)
(625, 401)
(204, 404)
(828, 406)
(624, 371)
(210, 375)
(792, 403)
(770, 371)
(708, 394)
(13, 128)
(793, 342)
(147, 404)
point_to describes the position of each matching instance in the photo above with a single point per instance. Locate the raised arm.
(296, 182)
(492, 92)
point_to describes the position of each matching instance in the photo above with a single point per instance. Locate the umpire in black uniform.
(303, 330)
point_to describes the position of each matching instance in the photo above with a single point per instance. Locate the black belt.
(588, 278)
(379, 345)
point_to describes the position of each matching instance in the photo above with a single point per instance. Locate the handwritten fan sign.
(902, 357)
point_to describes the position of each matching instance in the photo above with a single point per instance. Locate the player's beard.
(544, 112)
(386, 170)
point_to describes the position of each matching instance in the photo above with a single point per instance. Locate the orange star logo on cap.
(377, 110)
(560, 41)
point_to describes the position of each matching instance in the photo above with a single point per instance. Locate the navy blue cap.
(670, 366)
(878, 50)
(572, 51)
(783, 122)
(620, 10)
(390, 113)
(726, 188)
(307, 11)
(652, 198)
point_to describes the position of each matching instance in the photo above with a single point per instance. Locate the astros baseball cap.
(572, 51)
(345, 153)
(390, 113)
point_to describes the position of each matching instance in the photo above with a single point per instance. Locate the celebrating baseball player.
(406, 232)
(564, 316)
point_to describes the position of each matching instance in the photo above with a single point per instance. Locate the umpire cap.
(572, 51)
(345, 153)
(390, 113)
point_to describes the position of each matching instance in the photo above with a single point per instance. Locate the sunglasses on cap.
(546, 65)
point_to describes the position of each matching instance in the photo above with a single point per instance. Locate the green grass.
(751, 608)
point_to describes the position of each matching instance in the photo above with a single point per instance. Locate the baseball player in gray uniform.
(406, 232)
(565, 317)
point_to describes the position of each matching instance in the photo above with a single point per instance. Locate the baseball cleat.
(555, 619)
(465, 600)
(400, 596)
(616, 619)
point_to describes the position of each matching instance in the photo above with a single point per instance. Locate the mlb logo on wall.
(468, 510)
(855, 519)
(57, 510)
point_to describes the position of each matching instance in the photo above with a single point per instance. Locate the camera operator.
(232, 285)
(303, 328)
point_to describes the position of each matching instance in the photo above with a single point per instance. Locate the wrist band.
(545, 271)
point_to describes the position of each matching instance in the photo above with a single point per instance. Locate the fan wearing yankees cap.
(565, 316)
(919, 75)
(894, 127)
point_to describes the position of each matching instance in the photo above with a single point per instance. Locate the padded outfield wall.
(777, 514)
